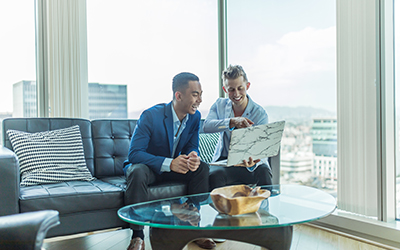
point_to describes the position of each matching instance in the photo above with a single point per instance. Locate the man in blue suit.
(164, 147)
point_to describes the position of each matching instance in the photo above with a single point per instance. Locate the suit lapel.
(168, 124)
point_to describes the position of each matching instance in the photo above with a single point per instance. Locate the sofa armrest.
(9, 184)
(275, 164)
(26, 230)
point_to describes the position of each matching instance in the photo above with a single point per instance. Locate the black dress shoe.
(205, 243)
(136, 244)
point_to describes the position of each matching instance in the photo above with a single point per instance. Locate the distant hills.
(297, 115)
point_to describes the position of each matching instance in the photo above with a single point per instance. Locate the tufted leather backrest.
(33, 125)
(111, 140)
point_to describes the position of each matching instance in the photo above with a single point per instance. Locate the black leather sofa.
(82, 206)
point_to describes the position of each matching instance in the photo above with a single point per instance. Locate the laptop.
(258, 142)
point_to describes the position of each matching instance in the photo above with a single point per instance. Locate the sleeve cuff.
(166, 166)
(227, 122)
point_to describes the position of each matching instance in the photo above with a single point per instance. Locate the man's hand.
(194, 161)
(180, 164)
(249, 163)
(240, 122)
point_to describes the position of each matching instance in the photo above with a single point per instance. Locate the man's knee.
(264, 169)
(216, 172)
(203, 169)
(217, 178)
(138, 177)
(264, 175)
(137, 172)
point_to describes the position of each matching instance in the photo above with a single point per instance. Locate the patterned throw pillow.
(50, 156)
(207, 144)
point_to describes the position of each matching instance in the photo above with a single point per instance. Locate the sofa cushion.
(157, 191)
(71, 197)
(50, 156)
(207, 144)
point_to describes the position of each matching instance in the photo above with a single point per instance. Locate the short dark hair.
(181, 81)
(233, 72)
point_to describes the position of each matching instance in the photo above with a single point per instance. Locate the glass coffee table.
(177, 221)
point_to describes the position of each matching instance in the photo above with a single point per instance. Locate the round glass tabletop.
(287, 205)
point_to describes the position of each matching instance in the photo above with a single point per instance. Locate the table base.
(279, 238)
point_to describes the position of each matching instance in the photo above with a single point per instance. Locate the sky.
(286, 47)
(17, 47)
(289, 63)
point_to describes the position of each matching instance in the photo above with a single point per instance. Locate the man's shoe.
(136, 244)
(205, 243)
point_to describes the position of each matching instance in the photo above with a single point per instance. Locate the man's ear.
(247, 85)
(178, 95)
(223, 87)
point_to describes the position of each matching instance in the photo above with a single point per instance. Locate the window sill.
(386, 233)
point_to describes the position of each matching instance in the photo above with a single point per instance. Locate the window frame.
(385, 228)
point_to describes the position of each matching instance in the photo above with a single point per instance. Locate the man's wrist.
(231, 124)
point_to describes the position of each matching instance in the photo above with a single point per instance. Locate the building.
(24, 99)
(296, 166)
(324, 148)
(296, 154)
(105, 100)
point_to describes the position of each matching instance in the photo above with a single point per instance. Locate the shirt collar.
(247, 110)
(175, 118)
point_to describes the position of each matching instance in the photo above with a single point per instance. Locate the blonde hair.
(233, 72)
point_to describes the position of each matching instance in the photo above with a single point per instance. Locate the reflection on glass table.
(182, 219)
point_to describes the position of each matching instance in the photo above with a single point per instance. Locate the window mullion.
(222, 41)
(385, 112)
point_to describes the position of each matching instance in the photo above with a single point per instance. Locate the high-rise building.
(24, 99)
(105, 100)
(324, 134)
(324, 147)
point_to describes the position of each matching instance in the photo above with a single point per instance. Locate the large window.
(17, 60)
(143, 44)
(288, 50)
(397, 100)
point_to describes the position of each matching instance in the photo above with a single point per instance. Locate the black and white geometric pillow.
(207, 144)
(50, 156)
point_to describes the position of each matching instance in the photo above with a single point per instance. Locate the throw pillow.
(50, 156)
(207, 144)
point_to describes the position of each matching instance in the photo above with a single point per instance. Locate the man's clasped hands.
(185, 163)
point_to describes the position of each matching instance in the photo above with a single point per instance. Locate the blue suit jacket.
(153, 138)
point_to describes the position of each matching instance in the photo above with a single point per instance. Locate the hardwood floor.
(305, 237)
